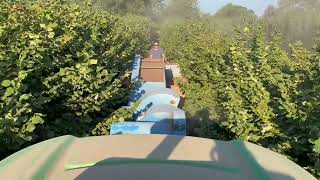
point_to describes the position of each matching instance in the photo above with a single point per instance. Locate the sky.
(212, 6)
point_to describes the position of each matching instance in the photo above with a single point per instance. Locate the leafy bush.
(248, 88)
(120, 115)
(62, 68)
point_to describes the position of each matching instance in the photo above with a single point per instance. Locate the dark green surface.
(196, 164)
(24, 152)
(253, 164)
(52, 159)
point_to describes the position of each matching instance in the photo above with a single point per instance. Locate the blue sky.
(211, 6)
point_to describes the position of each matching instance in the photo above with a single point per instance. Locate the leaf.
(42, 25)
(121, 119)
(50, 29)
(64, 79)
(25, 97)
(225, 123)
(53, 25)
(96, 97)
(317, 146)
(9, 92)
(22, 75)
(6, 83)
(67, 38)
(51, 35)
(93, 61)
(254, 138)
(33, 43)
(34, 36)
(84, 70)
(23, 56)
(36, 119)
(30, 127)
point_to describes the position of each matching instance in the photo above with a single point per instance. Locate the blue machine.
(158, 111)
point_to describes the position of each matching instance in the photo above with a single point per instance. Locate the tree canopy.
(297, 20)
(231, 16)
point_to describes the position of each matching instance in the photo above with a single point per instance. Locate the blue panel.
(161, 124)
(154, 117)
(140, 128)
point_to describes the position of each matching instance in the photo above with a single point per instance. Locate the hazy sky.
(211, 6)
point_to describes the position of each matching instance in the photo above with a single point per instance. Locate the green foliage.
(317, 158)
(317, 146)
(62, 68)
(245, 87)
